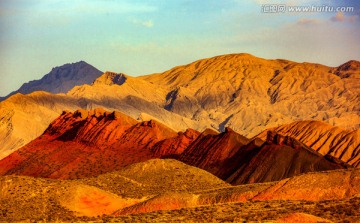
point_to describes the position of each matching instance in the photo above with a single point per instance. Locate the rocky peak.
(275, 138)
(111, 78)
(61, 79)
(350, 65)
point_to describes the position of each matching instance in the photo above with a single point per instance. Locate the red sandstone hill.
(278, 158)
(89, 143)
(211, 151)
(324, 138)
(176, 145)
(86, 143)
(238, 160)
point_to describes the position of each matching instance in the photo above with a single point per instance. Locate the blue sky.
(143, 37)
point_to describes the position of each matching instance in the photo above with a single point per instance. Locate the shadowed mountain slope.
(211, 151)
(238, 160)
(278, 158)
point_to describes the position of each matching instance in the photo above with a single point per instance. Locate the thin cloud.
(340, 17)
(305, 21)
(147, 23)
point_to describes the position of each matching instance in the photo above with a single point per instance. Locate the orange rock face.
(86, 143)
(175, 146)
(211, 151)
(324, 138)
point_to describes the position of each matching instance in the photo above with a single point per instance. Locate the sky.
(143, 37)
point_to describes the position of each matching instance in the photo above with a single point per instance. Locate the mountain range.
(241, 91)
(232, 138)
(89, 143)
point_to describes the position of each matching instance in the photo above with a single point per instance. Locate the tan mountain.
(246, 93)
(324, 138)
(249, 94)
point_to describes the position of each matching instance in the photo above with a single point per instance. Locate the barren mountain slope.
(324, 138)
(291, 189)
(327, 185)
(24, 198)
(132, 96)
(339, 203)
(250, 94)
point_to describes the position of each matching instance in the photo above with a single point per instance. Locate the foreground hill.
(35, 198)
(154, 177)
(61, 79)
(89, 143)
(320, 186)
(179, 192)
(241, 91)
